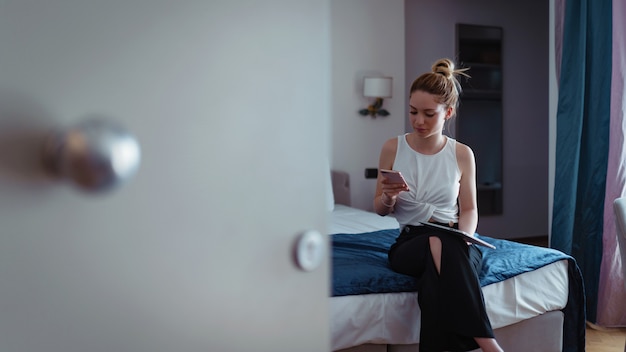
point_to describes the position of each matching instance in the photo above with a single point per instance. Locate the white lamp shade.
(377, 87)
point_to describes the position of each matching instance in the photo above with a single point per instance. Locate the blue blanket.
(360, 266)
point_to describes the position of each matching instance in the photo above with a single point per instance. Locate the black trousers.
(451, 302)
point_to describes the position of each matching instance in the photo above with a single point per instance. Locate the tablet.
(467, 237)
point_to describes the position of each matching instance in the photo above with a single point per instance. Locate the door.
(229, 103)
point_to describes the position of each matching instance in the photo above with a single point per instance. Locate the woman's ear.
(449, 112)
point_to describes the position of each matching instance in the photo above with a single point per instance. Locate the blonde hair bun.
(447, 68)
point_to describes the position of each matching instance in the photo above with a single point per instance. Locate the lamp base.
(374, 113)
(375, 109)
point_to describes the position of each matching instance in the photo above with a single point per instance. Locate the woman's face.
(427, 116)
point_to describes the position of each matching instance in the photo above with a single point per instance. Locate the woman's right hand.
(386, 190)
(392, 189)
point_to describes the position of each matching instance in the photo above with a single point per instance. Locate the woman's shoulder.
(464, 152)
(391, 145)
(461, 146)
(388, 153)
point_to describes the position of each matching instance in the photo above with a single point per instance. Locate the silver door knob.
(95, 154)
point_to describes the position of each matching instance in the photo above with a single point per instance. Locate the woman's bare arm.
(468, 207)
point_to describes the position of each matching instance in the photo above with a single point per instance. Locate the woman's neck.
(429, 145)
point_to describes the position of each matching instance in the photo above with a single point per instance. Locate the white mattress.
(393, 318)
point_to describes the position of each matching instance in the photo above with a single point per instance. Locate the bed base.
(541, 333)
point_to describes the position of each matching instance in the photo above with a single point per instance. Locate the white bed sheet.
(345, 219)
(394, 317)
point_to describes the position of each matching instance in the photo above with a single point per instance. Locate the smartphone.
(393, 176)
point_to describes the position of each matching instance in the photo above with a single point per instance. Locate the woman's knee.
(435, 251)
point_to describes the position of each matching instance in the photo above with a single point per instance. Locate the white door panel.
(229, 101)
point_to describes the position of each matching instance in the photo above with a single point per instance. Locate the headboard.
(341, 187)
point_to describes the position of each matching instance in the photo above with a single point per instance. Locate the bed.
(534, 296)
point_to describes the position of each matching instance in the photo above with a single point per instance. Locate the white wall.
(367, 39)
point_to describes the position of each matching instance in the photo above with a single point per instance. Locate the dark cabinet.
(479, 118)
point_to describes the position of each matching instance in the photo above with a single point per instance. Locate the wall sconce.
(379, 88)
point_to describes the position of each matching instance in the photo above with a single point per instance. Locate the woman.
(440, 187)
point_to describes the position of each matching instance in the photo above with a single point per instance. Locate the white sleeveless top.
(433, 184)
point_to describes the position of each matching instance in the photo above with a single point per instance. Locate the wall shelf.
(479, 119)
